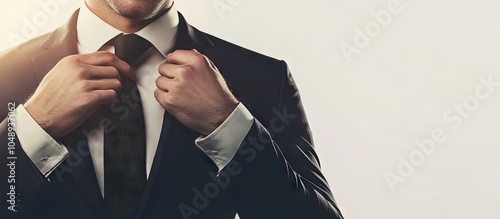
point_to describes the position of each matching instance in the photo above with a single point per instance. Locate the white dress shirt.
(93, 34)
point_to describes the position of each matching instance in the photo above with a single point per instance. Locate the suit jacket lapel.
(82, 172)
(176, 141)
(189, 37)
(61, 43)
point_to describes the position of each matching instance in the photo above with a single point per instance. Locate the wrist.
(223, 114)
(40, 118)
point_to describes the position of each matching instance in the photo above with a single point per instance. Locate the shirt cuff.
(45, 152)
(222, 144)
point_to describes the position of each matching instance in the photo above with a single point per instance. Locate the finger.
(168, 70)
(182, 57)
(164, 83)
(161, 96)
(104, 84)
(212, 64)
(102, 72)
(105, 96)
(103, 58)
(99, 58)
(125, 69)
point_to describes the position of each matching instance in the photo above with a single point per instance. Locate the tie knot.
(130, 47)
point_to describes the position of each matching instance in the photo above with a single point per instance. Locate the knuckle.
(199, 58)
(158, 81)
(178, 86)
(172, 87)
(171, 100)
(162, 67)
(89, 99)
(174, 53)
(157, 93)
(71, 58)
(111, 94)
(108, 56)
(115, 72)
(116, 83)
(81, 70)
(85, 85)
(171, 55)
(185, 71)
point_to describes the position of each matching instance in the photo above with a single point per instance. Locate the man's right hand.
(74, 89)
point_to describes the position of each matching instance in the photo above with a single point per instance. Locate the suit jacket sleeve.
(276, 169)
(28, 182)
(17, 82)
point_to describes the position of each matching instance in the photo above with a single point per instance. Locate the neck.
(124, 24)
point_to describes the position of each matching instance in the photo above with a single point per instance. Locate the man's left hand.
(193, 91)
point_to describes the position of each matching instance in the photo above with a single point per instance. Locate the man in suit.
(127, 111)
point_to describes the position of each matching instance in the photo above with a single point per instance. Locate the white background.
(366, 114)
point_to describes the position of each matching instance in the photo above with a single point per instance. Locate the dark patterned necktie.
(125, 139)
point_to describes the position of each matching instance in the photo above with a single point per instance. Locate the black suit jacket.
(275, 173)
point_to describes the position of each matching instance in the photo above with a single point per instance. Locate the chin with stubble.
(139, 9)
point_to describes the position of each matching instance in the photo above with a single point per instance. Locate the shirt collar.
(161, 32)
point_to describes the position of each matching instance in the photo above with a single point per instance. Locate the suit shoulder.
(20, 54)
(246, 57)
(255, 79)
(17, 76)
